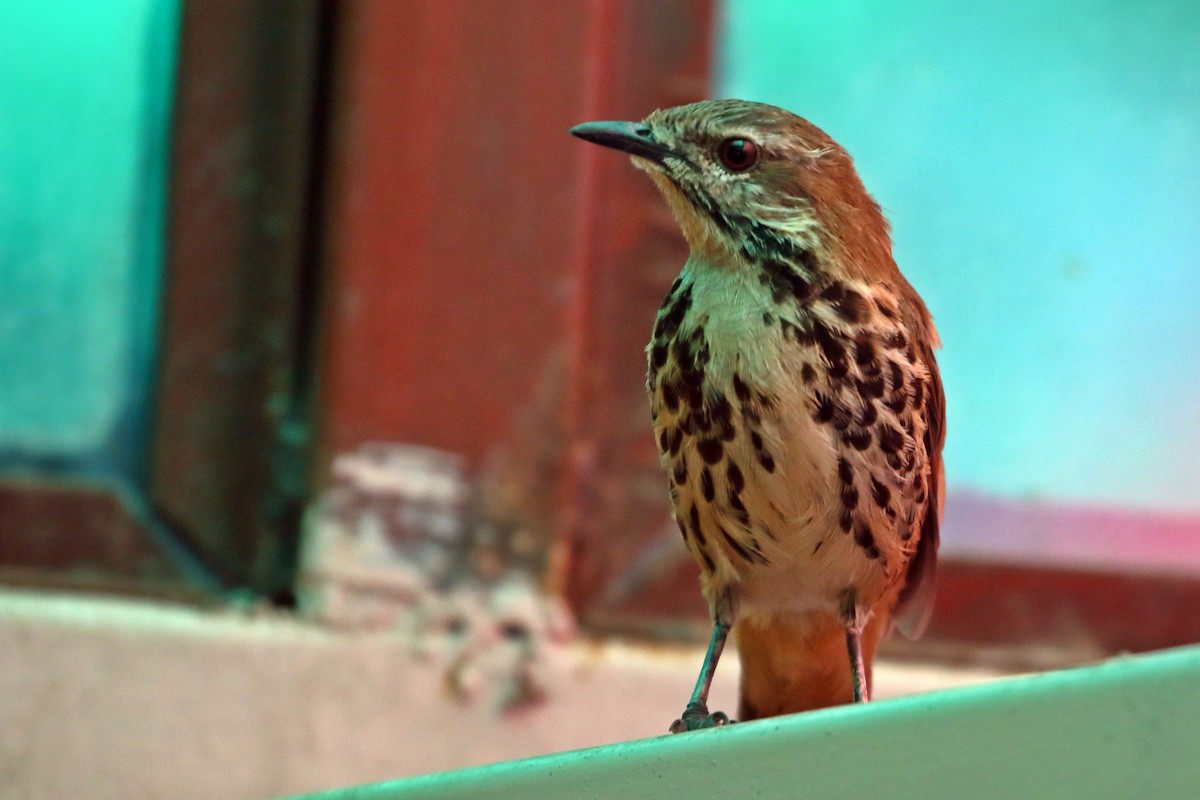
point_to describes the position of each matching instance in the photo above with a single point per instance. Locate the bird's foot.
(696, 717)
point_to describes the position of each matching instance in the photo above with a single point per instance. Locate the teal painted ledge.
(1128, 728)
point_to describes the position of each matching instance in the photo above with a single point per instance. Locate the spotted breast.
(784, 414)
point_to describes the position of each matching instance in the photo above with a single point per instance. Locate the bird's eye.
(737, 154)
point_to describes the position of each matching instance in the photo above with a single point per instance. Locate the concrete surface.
(1125, 728)
(106, 698)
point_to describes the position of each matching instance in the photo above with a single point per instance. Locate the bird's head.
(745, 179)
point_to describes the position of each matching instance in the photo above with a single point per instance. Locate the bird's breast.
(740, 386)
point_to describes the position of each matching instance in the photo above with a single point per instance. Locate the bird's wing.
(915, 604)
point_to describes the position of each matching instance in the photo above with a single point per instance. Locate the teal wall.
(85, 87)
(1040, 163)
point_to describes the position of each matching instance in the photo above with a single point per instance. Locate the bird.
(795, 401)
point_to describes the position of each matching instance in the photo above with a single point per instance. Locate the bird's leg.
(855, 623)
(858, 674)
(696, 715)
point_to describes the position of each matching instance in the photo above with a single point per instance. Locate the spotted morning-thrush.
(796, 403)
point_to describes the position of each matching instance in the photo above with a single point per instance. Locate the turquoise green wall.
(1040, 163)
(85, 87)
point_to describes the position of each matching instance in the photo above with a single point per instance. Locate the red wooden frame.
(490, 281)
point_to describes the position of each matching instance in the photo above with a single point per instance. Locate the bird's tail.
(798, 663)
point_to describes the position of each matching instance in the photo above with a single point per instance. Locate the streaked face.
(723, 163)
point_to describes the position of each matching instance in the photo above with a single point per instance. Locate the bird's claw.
(696, 717)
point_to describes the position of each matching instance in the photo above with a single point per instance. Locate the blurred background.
(315, 326)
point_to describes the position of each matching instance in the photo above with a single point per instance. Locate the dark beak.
(629, 137)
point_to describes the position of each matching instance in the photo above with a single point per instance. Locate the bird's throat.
(698, 229)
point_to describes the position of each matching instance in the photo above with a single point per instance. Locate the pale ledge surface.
(106, 698)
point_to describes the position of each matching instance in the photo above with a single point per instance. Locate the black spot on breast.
(681, 351)
(740, 389)
(733, 474)
(833, 293)
(864, 350)
(838, 370)
(735, 502)
(784, 281)
(658, 356)
(807, 258)
(863, 536)
(767, 462)
(858, 439)
(872, 387)
(846, 303)
(768, 319)
(845, 471)
(825, 408)
(866, 540)
(669, 439)
(846, 520)
(880, 493)
(756, 440)
(891, 440)
(803, 336)
(833, 350)
(706, 485)
(670, 395)
(710, 450)
(868, 415)
(849, 495)
(807, 373)
(680, 473)
(694, 519)
(721, 414)
(751, 554)
(671, 318)
(918, 393)
(897, 402)
(895, 340)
